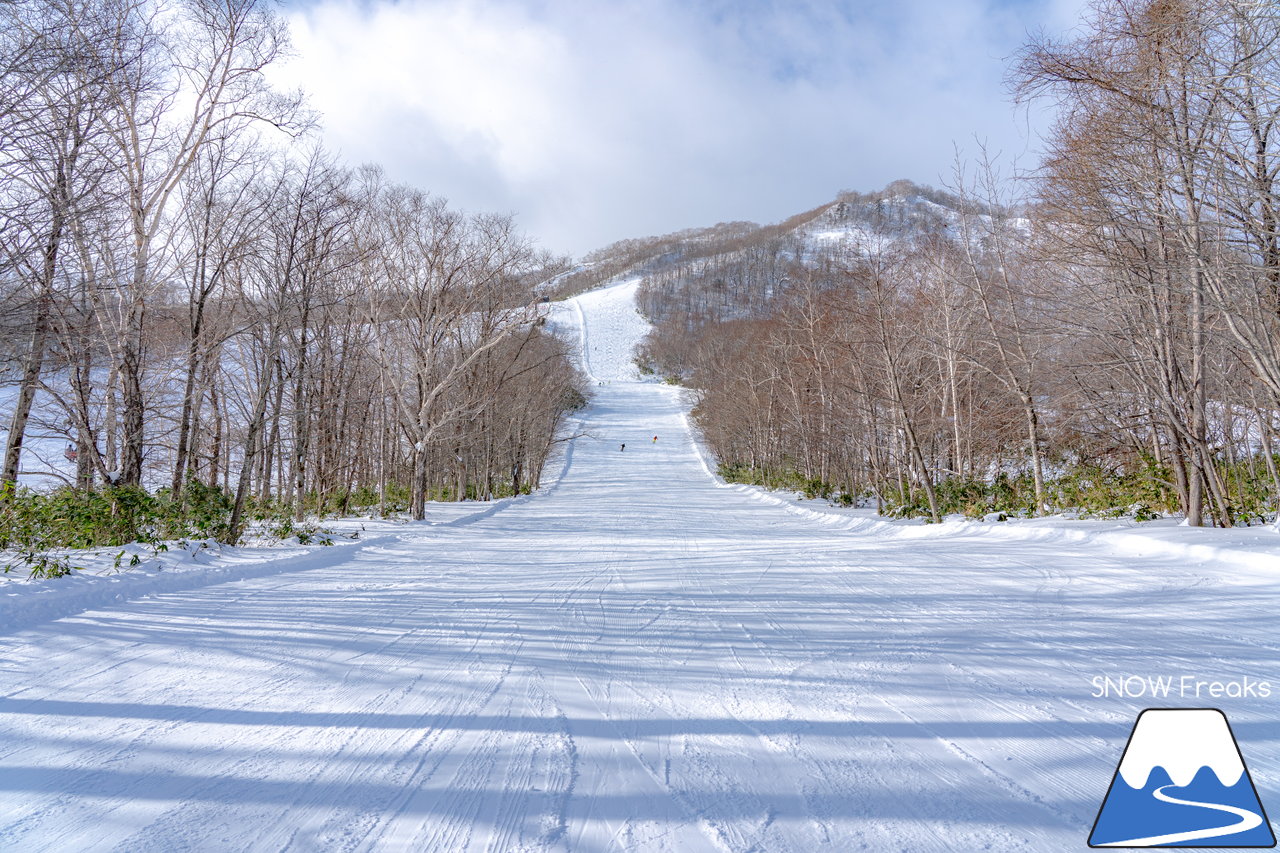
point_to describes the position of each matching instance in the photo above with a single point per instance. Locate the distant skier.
(621, 447)
(655, 439)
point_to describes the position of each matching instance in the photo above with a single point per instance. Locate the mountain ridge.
(850, 217)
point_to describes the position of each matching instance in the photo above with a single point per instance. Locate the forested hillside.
(196, 296)
(1107, 341)
(202, 305)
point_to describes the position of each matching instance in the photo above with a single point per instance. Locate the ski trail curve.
(1248, 820)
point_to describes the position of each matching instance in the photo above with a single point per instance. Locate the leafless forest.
(1108, 339)
(209, 297)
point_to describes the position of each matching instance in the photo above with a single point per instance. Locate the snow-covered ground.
(636, 658)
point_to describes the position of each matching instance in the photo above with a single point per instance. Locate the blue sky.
(596, 121)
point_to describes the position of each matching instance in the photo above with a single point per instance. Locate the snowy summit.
(1182, 742)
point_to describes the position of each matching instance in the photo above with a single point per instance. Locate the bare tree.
(53, 163)
(997, 270)
(180, 82)
(449, 294)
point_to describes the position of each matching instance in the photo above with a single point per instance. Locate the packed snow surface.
(636, 658)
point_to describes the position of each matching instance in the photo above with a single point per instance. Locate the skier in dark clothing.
(621, 448)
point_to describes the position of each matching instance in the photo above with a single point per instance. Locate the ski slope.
(636, 658)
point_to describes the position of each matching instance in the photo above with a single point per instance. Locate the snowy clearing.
(636, 658)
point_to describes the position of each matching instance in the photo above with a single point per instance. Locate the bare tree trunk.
(26, 393)
(131, 395)
(1037, 459)
(186, 418)
(418, 504)
(251, 440)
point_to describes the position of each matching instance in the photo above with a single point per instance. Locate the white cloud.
(596, 121)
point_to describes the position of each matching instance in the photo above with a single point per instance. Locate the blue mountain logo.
(1182, 783)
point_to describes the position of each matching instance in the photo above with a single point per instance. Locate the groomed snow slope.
(637, 658)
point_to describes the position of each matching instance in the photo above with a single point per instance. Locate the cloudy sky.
(595, 120)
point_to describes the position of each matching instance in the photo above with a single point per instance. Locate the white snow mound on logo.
(1181, 741)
